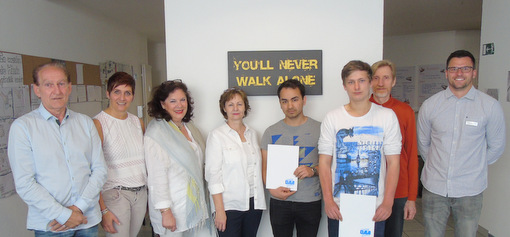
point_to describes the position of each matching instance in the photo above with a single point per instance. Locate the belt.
(132, 189)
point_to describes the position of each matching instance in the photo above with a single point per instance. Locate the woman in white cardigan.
(174, 155)
(233, 170)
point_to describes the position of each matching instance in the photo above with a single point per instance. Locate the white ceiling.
(401, 16)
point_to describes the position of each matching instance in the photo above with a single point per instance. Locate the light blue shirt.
(57, 166)
(458, 138)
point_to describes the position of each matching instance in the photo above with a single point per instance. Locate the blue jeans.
(465, 210)
(242, 223)
(306, 216)
(90, 232)
(395, 223)
(334, 224)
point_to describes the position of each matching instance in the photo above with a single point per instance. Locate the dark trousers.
(305, 215)
(395, 223)
(242, 223)
(334, 224)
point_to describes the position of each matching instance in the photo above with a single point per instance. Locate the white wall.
(47, 29)
(429, 48)
(198, 37)
(493, 73)
(157, 59)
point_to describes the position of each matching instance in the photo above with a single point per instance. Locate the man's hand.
(383, 212)
(107, 222)
(220, 220)
(281, 193)
(75, 208)
(409, 210)
(332, 210)
(303, 171)
(77, 218)
(168, 220)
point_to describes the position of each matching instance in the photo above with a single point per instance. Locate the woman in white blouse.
(174, 155)
(123, 200)
(233, 170)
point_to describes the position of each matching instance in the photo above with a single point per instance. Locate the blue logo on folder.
(289, 182)
(365, 232)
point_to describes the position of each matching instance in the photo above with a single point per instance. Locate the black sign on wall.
(261, 72)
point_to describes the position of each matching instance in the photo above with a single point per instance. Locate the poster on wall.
(261, 72)
(431, 80)
(404, 89)
(11, 70)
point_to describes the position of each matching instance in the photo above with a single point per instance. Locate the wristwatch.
(315, 173)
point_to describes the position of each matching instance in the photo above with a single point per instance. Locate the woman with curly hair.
(174, 151)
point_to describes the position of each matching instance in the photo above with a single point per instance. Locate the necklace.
(178, 126)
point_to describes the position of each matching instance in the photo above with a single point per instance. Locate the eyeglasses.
(171, 82)
(464, 69)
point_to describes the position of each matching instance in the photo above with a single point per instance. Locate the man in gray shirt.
(302, 207)
(461, 131)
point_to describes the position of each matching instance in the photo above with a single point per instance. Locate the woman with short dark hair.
(123, 200)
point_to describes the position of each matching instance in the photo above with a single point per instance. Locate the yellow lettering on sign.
(308, 80)
(267, 66)
(302, 64)
(266, 80)
(282, 79)
(253, 65)
(253, 81)
(236, 64)
(241, 81)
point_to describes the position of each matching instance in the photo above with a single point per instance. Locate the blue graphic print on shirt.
(358, 160)
(303, 150)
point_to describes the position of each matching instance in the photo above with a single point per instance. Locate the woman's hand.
(168, 220)
(107, 222)
(220, 220)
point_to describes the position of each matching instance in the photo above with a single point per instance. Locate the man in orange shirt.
(405, 196)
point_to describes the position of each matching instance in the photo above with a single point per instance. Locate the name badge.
(471, 123)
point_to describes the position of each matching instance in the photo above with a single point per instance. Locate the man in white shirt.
(360, 142)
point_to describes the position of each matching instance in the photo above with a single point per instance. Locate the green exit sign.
(488, 49)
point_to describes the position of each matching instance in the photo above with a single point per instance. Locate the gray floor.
(412, 228)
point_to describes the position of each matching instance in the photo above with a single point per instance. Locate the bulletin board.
(90, 72)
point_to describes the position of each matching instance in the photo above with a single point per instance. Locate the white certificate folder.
(357, 212)
(282, 161)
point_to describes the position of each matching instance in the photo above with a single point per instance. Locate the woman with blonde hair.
(233, 170)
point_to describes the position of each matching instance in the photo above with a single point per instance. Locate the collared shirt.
(226, 168)
(458, 138)
(57, 166)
